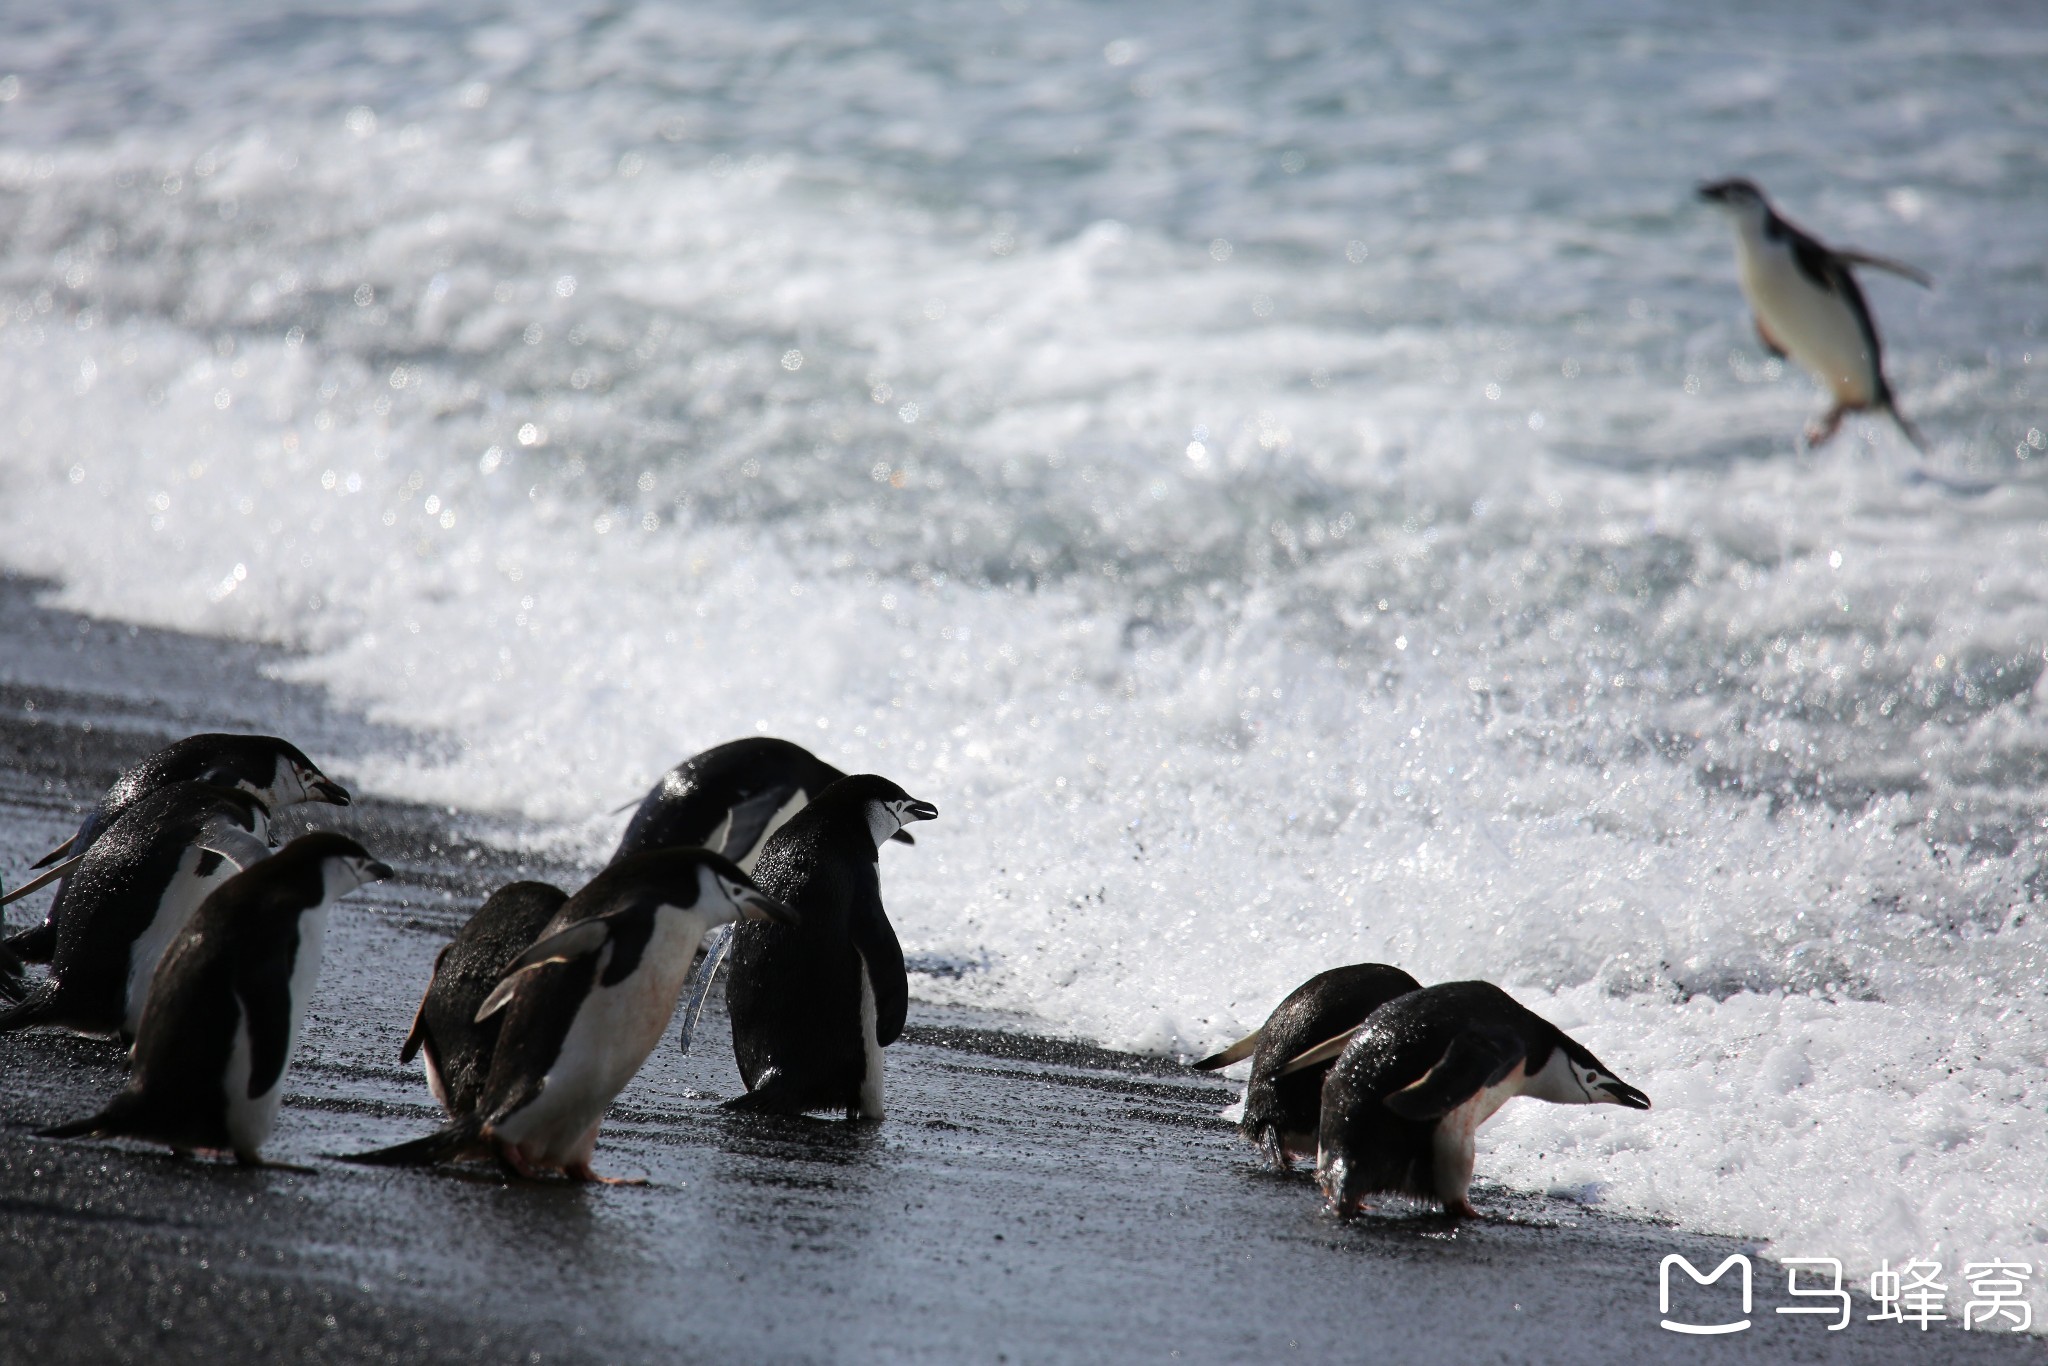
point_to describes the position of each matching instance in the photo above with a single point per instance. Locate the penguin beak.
(325, 789)
(1621, 1093)
(756, 904)
(920, 811)
(377, 870)
(1714, 191)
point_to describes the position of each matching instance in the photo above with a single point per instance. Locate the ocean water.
(1293, 483)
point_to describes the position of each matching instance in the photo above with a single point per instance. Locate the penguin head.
(344, 865)
(698, 881)
(1588, 1081)
(300, 780)
(1736, 197)
(277, 771)
(888, 808)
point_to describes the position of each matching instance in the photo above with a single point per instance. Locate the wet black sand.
(1026, 1201)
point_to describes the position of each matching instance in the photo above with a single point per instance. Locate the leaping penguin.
(226, 1004)
(813, 1006)
(454, 1046)
(585, 1006)
(1281, 1112)
(128, 897)
(731, 798)
(1412, 1085)
(1807, 305)
(273, 771)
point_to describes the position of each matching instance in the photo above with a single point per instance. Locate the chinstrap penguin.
(730, 799)
(1806, 304)
(225, 1007)
(813, 1006)
(583, 1008)
(1281, 1112)
(454, 1046)
(1412, 1085)
(272, 770)
(130, 895)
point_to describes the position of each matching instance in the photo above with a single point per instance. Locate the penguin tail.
(114, 1121)
(457, 1140)
(14, 983)
(31, 1003)
(1905, 426)
(37, 945)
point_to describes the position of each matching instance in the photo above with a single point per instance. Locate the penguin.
(130, 894)
(1412, 1085)
(1806, 304)
(1281, 1113)
(731, 799)
(452, 1044)
(812, 1007)
(274, 771)
(584, 1006)
(225, 1007)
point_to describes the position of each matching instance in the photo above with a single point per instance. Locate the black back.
(504, 927)
(236, 955)
(540, 1014)
(750, 780)
(1400, 1043)
(794, 990)
(1828, 272)
(113, 893)
(1319, 1009)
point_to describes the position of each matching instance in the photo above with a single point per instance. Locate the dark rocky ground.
(1026, 1201)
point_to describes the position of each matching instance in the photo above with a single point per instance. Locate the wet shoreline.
(1027, 1199)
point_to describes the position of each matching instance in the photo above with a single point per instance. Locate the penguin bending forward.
(1412, 1085)
(454, 1046)
(583, 1008)
(273, 771)
(128, 897)
(1281, 1112)
(813, 1006)
(731, 798)
(225, 1007)
(1806, 304)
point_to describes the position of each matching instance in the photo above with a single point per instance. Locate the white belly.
(871, 1078)
(182, 896)
(1817, 329)
(251, 1118)
(1455, 1141)
(611, 1036)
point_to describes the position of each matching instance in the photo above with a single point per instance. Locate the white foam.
(1234, 628)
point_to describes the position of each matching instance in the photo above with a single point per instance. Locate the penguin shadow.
(767, 1138)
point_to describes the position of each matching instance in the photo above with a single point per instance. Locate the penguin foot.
(1820, 432)
(581, 1171)
(1462, 1209)
(257, 1160)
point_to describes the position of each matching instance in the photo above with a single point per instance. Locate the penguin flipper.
(580, 940)
(1852, 256)
(1322, 1052)
(773, 1094)
(1770, 343)
(265, 991)
(440, 1146)
(748, 817)
(876, 941)
(1906, 428)
(1237, 1052)
(1475, 1060)
(238, 847)
(47, 877)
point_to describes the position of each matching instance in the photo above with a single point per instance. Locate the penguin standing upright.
(1807, 305)
(273, 771)
(128, 897)
(454, 1046)
(583, 1008)
(731, 799)
(813, 1006)
(225, 1007)
(1281, 1112)
(1412, 1085)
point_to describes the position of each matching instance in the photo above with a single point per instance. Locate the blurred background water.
(1293, 484)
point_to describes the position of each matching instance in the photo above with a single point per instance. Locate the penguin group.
(176, 927)
(1385, 1082)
